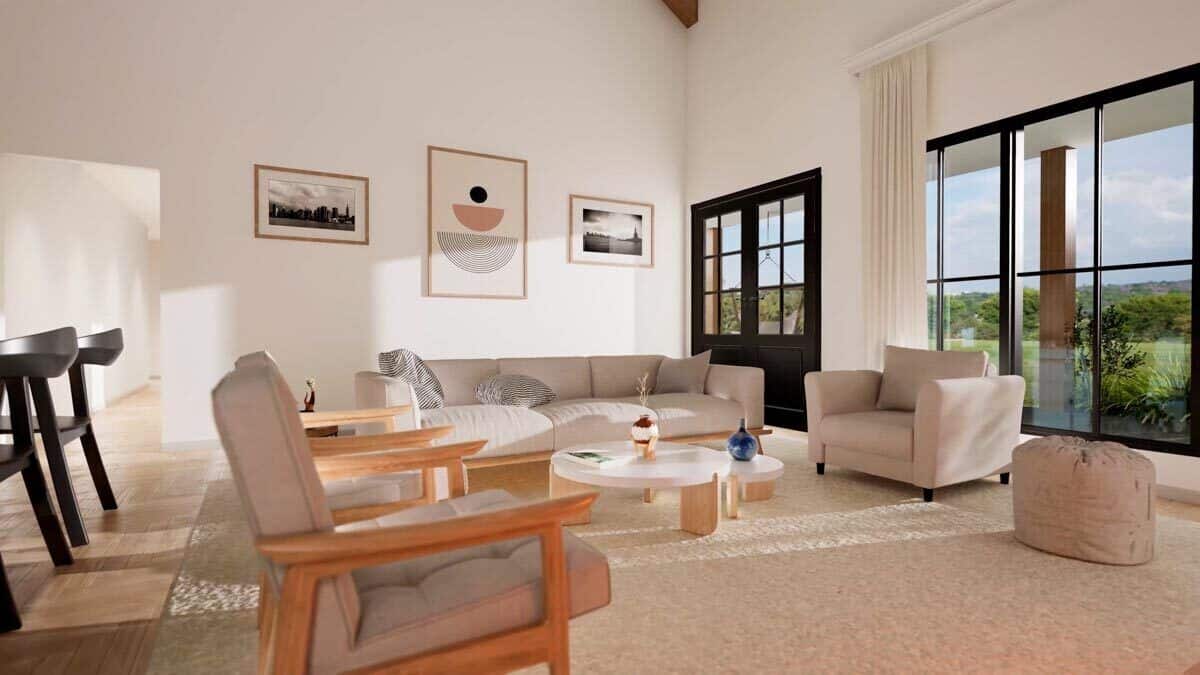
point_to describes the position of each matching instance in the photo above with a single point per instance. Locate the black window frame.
(1011, 131)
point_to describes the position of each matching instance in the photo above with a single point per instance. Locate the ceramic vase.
(645, 436)
(742, 445)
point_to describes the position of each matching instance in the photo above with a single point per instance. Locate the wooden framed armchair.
(481, 582)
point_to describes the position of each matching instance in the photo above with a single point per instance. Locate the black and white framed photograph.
(310, 205)
(611, 232)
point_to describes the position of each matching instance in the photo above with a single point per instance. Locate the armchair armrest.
(396, 440)
(351, 466)
(966, 428)
(743, 384)
(835, 392)
(325, 419)
(314, 556)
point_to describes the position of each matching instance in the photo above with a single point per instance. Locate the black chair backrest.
(101, 348)
(45, 355)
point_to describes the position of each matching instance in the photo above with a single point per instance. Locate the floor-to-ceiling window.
(1060, 242)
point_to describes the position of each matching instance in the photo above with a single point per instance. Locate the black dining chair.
(40, 358)
(100, 349)
(20, 360)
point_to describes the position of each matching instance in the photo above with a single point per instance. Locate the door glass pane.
(711, 233)
(971, 317)
(768, 312)
(769, 268)
(1145, 353)
(971, 230)
(731, 231)
(731, 271)
(768, 224)
(1147, 166)
(1055, 350)
(1059, 225)
(731, 313)
(793, 264)
(793, 311)
(710, 314)
(793, 218)
(710, 274)
(931, 215)
(931, 312)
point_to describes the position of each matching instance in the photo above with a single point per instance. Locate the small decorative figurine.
(645, 436)
(310, 395)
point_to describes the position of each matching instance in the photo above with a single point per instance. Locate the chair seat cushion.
(509, 430)
(591, 420)
(425, 603)
(348, 493)
(879, 432)
(694, 414)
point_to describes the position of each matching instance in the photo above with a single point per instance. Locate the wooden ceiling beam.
(688, 11)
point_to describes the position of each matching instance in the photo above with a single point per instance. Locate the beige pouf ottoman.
(1092, 501)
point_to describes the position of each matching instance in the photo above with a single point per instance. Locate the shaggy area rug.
(836, 573)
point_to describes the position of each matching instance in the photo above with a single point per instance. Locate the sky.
(297, 195)
(619, 225)
(1147, 203)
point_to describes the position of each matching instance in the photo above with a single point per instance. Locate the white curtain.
(893, 98)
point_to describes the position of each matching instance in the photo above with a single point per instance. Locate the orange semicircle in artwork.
(478, 218)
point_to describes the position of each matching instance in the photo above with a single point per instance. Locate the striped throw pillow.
(405, 365)
(518, 390)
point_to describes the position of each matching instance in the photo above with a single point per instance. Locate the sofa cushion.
(570, 377)
(591, 420)
(518, 390)
(683, 376)
(694, 414)
(433, 601)
(405, 365)
(878, 432)
(459, 377)
(905, 370)
(509, 430)
(617, 376)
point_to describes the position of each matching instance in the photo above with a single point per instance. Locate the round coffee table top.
(759, 469)
(674, 465)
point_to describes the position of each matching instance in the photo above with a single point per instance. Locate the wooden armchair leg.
(266, 623)
(557, 601)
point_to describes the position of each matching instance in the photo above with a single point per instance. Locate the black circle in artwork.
(478, 194)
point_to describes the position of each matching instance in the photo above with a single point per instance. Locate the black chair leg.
(927, 494)
(10, 619)
(60, 473)
(1004, 478)
(91, 450)
(43, 509)
(820, 468)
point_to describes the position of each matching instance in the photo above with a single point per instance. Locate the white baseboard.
(1178, 494)
(178, 446)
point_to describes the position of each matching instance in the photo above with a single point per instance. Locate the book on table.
(596, 458)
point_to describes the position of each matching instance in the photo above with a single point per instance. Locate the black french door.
(756, 275)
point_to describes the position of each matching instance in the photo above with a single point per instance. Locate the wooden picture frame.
(290, 204)
(478, 225)
(582, 245)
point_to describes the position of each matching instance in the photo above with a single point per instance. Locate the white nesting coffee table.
(695, 470)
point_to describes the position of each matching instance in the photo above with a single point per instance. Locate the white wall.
(590, 92)
(75, 255)
(768, 96)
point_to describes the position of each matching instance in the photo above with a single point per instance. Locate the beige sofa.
(596, 401)
(930, 418)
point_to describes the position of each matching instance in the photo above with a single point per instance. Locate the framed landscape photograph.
(477, 225)
(611, 232)
(310, 205)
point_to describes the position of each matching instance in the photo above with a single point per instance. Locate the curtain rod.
(919, 35)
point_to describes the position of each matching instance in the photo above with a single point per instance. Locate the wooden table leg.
(648, 495)
(757, 492)
(561, 487)
(733, 486)
(699, 507)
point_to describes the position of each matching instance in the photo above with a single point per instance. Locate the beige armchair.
(474, 583)
(930, 418)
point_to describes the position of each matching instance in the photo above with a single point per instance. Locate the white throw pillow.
(518, 390)
(683, 376)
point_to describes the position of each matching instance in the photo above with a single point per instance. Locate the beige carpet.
(836, 573)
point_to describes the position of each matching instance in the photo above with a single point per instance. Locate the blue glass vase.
(742, 444)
